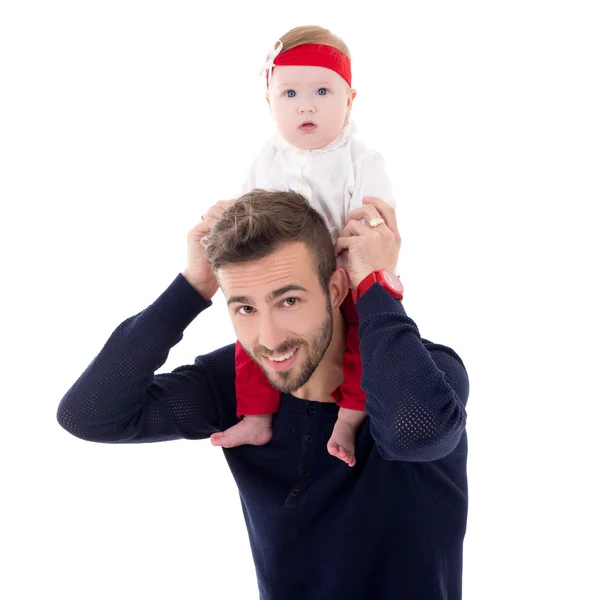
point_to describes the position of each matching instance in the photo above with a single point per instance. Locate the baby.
(310, 94)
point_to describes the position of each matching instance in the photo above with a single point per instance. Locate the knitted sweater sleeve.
(119, 399)
(416, 391)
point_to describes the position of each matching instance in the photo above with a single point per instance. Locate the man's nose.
(271, 336)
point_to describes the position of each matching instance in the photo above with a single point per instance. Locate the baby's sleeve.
(249, 182)
(258, 176)
(371, 180)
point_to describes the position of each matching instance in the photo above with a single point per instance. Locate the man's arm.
(416, 390)
(119, 399)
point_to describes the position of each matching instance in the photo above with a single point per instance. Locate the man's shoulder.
(219, 363)
(218, 367)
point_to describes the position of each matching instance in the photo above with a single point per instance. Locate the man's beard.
(286, 381)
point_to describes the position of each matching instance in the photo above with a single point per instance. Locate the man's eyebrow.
(240, 299)
(291, 287)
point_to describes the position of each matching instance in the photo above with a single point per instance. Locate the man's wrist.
(355, 280)
(201, 288)
(384, 277)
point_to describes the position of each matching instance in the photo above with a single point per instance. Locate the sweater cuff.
(180, 303)
(376, 300)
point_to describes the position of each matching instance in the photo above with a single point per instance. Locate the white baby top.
(334, 179)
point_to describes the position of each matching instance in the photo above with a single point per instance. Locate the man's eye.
(290, 93)
(292, 300)
(242, 310)
(322, 91)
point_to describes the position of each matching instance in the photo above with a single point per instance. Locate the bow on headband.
(267, 68)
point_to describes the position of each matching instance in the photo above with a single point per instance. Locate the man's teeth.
(282, 358)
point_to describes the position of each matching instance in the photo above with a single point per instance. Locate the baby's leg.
(255, 430)
(342, 442)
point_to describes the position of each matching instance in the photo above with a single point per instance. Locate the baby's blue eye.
(322, 91)
(290, 93)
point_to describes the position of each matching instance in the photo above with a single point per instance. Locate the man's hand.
(198, 272)
(363, 249)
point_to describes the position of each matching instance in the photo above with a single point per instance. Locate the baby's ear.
(268, 99)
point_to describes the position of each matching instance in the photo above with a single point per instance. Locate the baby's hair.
(312, 34)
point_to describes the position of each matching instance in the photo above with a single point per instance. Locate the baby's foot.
(342, 442)
(252, 429)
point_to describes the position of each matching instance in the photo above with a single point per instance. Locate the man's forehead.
(289, 267)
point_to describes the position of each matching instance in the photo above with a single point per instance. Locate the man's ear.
(338, 287)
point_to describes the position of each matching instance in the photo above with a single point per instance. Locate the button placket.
(296, 180)
(307, 456)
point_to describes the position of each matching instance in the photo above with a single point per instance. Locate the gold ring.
(375, 222)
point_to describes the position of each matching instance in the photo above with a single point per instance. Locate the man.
(390, 527)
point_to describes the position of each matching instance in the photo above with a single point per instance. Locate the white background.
(122, 121)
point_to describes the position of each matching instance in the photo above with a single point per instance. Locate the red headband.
(310, 55)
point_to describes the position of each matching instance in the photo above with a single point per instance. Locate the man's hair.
(312, 34)
(260, 222)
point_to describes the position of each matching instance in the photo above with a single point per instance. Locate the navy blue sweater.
(392, 527)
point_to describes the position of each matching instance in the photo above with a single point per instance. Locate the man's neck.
(328, 376)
